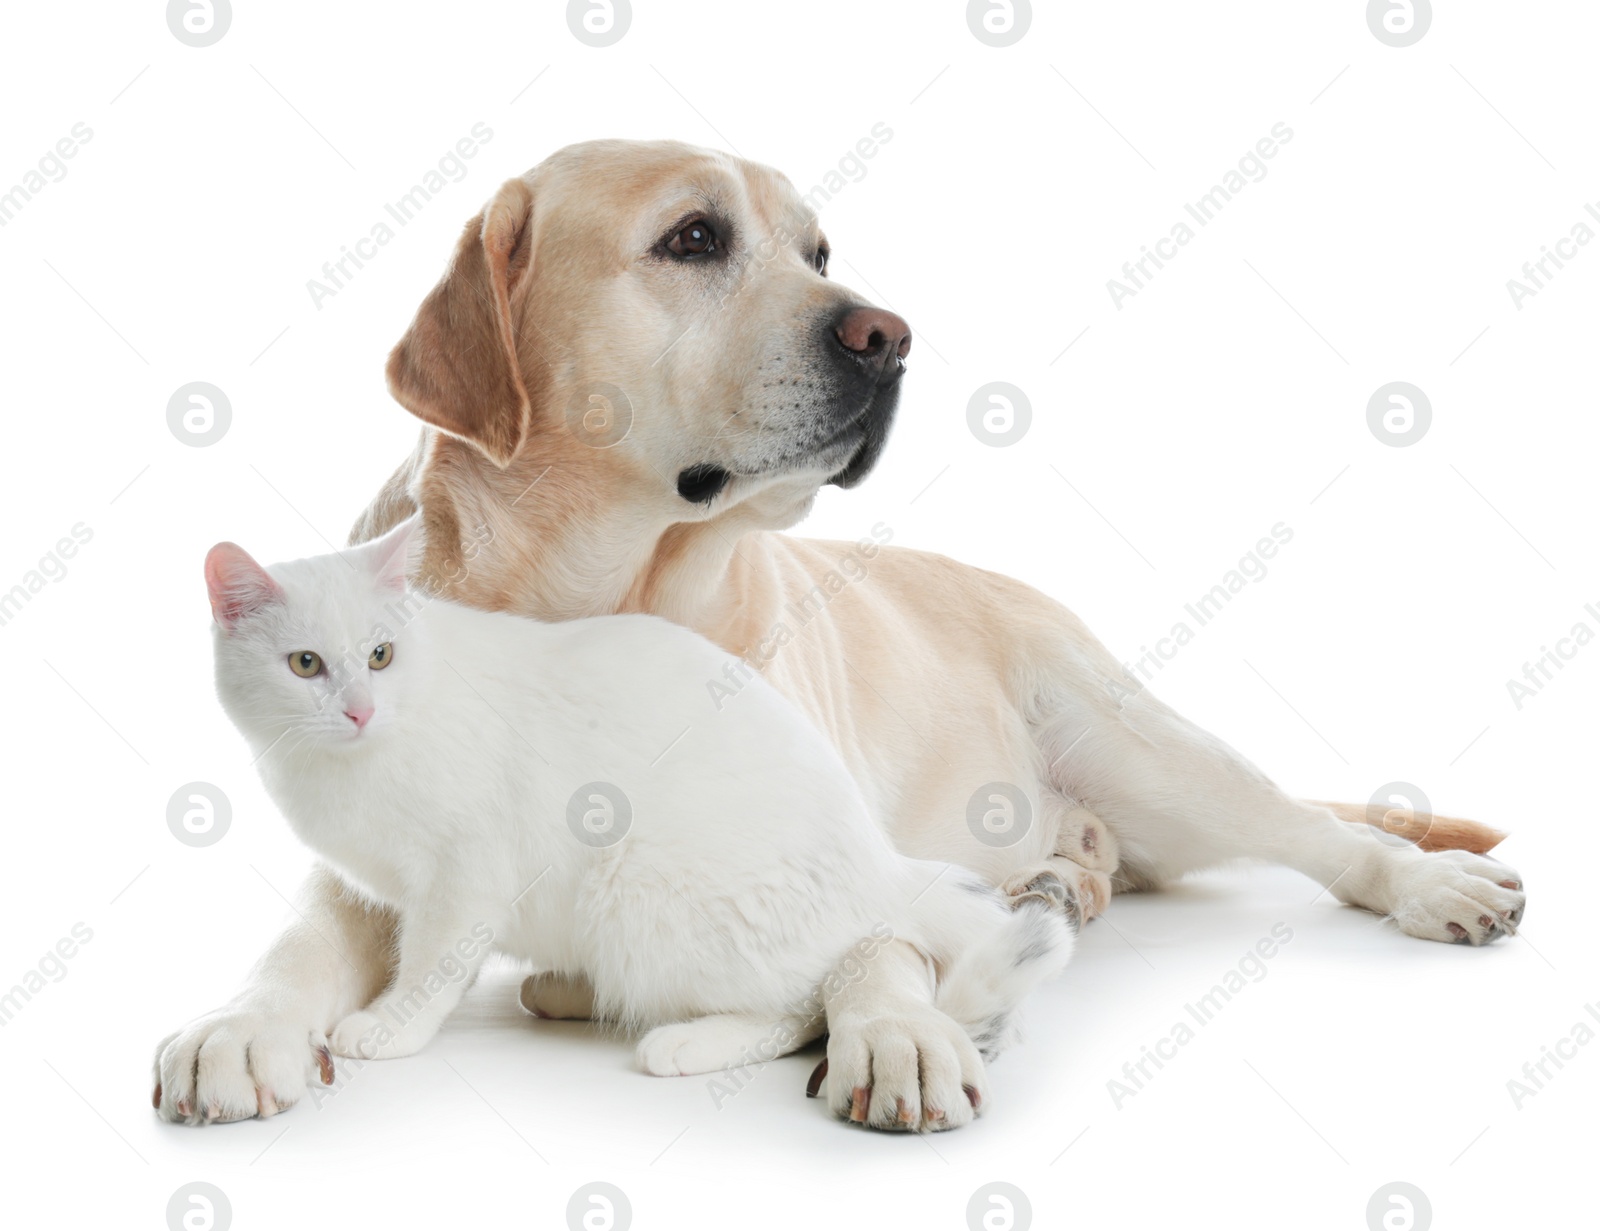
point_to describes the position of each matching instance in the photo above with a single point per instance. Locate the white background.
(1172, 435)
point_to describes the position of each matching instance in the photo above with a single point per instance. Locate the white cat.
(568, 794)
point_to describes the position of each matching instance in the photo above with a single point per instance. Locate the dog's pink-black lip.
(874, 426)
(703, 483)
(869, 426)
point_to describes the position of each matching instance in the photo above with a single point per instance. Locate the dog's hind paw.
(1459, 898)
(1076, 891)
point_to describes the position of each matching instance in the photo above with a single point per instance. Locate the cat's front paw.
(370, 1035)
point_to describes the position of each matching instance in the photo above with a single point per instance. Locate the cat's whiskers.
(303, 733)
(310, 740)
(285, 720)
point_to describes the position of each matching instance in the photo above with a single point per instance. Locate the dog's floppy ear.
(457, 366)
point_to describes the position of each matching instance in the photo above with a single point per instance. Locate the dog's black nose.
(876, 338)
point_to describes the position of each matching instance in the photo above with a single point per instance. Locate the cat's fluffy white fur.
(571, 791)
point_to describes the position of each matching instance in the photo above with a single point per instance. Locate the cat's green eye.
(305, 664)
(381, 656)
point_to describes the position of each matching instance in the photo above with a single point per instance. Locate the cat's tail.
(989, 952)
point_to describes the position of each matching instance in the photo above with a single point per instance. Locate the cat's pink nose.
(359, 714)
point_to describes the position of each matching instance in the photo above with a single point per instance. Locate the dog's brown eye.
(696, 239)
(820, 261)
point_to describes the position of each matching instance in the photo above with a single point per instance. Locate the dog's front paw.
(914, 1071)
(237, 1063)
(1458, 898)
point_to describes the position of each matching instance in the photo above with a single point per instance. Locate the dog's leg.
(722, 1041)
(1452, 896)
(559, 997)
(1179, 800)
(255, 1055)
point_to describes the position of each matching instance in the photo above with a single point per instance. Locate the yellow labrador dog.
(634, 372)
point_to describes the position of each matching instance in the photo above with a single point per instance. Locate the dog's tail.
(990, 954)
(1427, 830)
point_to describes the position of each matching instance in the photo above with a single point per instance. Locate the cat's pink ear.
(237, 585)
(391, 555)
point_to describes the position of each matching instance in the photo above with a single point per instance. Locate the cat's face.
(316, 652)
